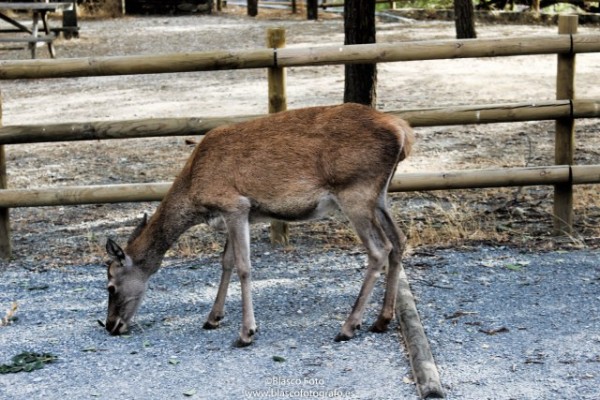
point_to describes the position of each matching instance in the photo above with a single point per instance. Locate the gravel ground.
(503, 324)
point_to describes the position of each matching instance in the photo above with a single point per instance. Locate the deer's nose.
(116, 326)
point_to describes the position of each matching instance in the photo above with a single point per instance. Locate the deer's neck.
(162, 230)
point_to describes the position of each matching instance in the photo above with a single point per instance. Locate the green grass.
(425, 4)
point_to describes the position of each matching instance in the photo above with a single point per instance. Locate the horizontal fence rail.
(88, 194)
(407, 182)
(439, 49)
(159, 127)
(501, 177)
(293, 57)
(131, 129)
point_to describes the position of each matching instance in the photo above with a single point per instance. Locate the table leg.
(47, 30)
(34, 33)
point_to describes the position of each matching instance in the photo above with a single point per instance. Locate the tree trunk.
(464, 15)
(359, 28)
(312, 9)
(252, 8)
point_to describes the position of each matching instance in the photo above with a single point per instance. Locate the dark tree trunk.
(312, 9)
(465, 19)
(150, 6)
(252, 8)
(359, 28)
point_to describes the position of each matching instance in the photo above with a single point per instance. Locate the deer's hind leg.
(218, 310)
(398, 240)
(362, 215)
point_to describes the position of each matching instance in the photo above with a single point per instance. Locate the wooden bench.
(39, 12)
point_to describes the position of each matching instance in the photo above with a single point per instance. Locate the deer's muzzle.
(116, 326)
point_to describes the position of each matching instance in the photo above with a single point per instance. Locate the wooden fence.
(564, 110)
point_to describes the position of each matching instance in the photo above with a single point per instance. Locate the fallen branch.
(421, 360)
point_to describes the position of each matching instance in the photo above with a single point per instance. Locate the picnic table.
(39, 12)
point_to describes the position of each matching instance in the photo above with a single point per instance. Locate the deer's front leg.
(218, 310)
(239, 238)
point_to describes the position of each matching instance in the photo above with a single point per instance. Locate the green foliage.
(27, 362)
(426, 4)
(562, 8)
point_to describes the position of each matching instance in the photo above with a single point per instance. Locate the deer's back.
(300, 154)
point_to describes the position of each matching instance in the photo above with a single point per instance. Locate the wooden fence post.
(277, 103)
(5, 245)
(565, 131)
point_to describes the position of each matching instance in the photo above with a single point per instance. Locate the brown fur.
(288, 166)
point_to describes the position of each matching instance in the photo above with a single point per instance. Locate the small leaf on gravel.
(90, 349)
(27, 362)
(174, 361)
(459, 313)
(189, 392)
(495, 331)
(147, 343)
(278, 359)
(39, 287)
(513, 267)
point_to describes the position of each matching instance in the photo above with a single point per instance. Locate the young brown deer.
(289, 166)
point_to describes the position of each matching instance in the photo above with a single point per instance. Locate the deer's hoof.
(210, 325)
(213, 321)
(245, 340)
(380, 326)
(240, 342)
(342, 337)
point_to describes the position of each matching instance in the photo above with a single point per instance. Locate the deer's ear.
(138, 229)
(114, 250)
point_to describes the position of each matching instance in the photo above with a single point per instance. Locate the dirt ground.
(47, 237)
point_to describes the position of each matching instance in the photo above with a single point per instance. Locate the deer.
(290, 166)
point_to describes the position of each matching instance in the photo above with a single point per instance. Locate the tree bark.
(464, 15)
(252, 8)
(312, 9)
(359, 28)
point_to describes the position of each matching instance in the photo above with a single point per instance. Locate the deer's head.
(126, 287)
